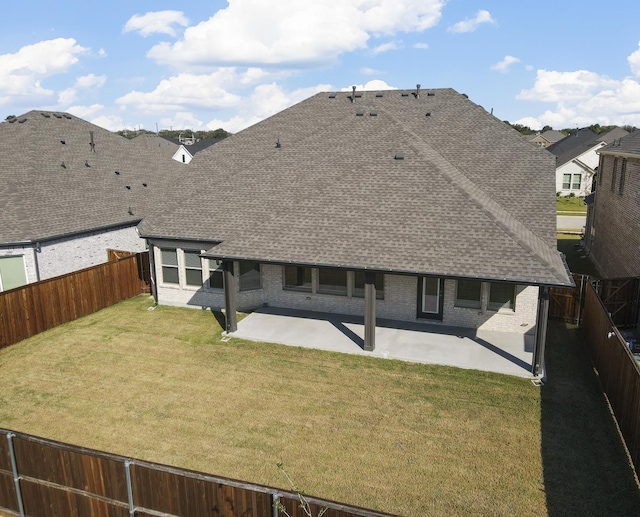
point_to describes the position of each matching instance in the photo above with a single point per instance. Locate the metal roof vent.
(428, 114)
(92, 143)
(379, 94)
(144, 185)
(130, 212)
(63, 142)
(278, 144)
(117, 173)
(57, 115)
(86, 163)
(359, 112)
(358, 95)
(128, 187)
(67, 116)
(63, 165)
(373, 113)
(405, 94)
(353, 94)
(45, 115)
(22, 120)
(11, 120)
(332, 95)
(399, 155)
(431, 94)
(416, 94)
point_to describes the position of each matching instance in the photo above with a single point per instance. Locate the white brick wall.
(400, 301)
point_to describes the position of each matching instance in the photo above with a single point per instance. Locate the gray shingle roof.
(628, 145)
(576, 144)
(471, 198)
(52, 182)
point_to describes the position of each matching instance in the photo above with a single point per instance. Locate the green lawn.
(566, 204)
(403, 438)
(576, 259)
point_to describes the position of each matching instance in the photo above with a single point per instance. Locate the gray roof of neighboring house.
(584, 139)
(53, 183)
(629, 145)
(550, 135)
(320, 184)
(152, 141)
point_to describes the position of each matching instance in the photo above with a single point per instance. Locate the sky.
(200, 65)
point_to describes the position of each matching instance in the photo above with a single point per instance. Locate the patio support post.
(230, 306)
(369, 311)
(541, 330)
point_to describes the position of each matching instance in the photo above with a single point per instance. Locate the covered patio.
(492, 351)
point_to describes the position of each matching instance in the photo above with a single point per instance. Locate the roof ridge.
(517, 230)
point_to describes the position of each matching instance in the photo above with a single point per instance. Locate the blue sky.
(211, 64)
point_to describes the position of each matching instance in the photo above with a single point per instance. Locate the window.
(12, 273)
(169, 266)
(249, 275)
(566, 181)
(297, 278)
(614, 174)
(332, 281)
(502, 296)
(216, 275)
(193, 268)
(358, 285)
(430, 294)
(469, 294)
(577, 180)
(623, 174)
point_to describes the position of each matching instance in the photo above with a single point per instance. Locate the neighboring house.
(546, 139)
(69, 191)
(612, 236)
(187, 149)
(367, 203)
(577, 159)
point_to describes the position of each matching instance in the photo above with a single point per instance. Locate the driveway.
(491, 351)
(571, 222)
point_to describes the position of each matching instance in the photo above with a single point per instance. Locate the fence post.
(16, 477)
(275, 500)
(127, 471)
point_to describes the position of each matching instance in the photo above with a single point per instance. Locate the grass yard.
(577, 261)
(403, 438)
(567, 205)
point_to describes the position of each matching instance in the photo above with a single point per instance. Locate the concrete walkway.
(490, 351)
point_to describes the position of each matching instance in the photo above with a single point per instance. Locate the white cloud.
(386, 47)
(158, 22)
(471, 24)
(374, 85)
(291, 32)
(634, 62)
(583, 97)
(109, 122)
(85, 112)
(370, 71)
(553, 86)
(504, 65)
(21, 73)
(69, 95)
(181, 120)
(184, 91)
(421, 45)
(531, 122)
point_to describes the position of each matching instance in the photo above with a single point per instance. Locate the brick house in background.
(612, 235)
(69, 191)
(377, 204)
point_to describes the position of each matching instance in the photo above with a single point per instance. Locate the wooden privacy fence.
(566, 304)
(44, 478)
(618, 370)
(36, 307)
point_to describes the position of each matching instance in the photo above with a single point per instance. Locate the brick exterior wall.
(399, 303)
(65, 255)
(615, 239)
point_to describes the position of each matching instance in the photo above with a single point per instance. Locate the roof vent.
(431, 94)
(399, 155)
(128, 187)
(359, 112)
(91, 142)
(57, 115)
(22, 120)
(45, 115)
(428, 114)
(86, 163)
(358, 95)
(11, 120)
(405, 94)
(67, 116)
(117, 173)
(130, 212)
(278, 144)
(379, 94)
(416, 94)
(353, 93)
(332, 95)
(63, 142)
(373, 113)
(144, 185)
(63, 165)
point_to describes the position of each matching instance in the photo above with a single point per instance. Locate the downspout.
(152, 276)
(37, 249)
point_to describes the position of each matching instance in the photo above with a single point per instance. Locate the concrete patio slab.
(491, 351)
